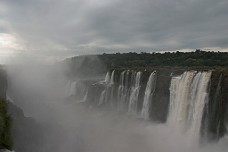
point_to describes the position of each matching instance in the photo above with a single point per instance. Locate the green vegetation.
(5, 127)
(94, 65)
(198, 58)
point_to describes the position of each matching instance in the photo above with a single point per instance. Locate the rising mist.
(71, 125)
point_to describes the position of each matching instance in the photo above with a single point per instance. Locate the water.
(76, 89)
(79, 129)
(123, 91)
(179, 93)
(133, 101)
(69, 89)
(149, 92)
(112, 78)
(84, 99)
(107, 94)
(102, 97)
(107, 78)
(188, 95)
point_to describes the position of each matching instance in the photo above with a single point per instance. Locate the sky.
(56, 29)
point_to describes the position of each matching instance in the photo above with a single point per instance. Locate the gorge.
(73, 107)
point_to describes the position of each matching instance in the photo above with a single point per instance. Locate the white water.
(112, 78)
(133, 101)
(107, 78)
(179, 93)
(123, 91)
(149, 92)
(77, 90)
(107, 93)
(188, 95)
(70, 88)
(85, 97)
(112, 82)
(102, 97)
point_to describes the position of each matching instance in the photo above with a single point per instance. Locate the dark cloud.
(61, 28)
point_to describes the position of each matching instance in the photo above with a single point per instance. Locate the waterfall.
(123, 91)
(149, 92)
(76, 90)
(107, 93)
(112, 77)
(135, 87)
(107, 78)
(112, 82)
(84, 97)
(70, 88)
(120, 94)
(188, 95)
(179, 93)
(102, 97)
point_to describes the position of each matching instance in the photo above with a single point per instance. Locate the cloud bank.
(57, 29)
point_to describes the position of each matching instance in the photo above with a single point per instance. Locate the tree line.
(143, 59)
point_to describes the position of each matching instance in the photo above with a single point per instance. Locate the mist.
(39, 89)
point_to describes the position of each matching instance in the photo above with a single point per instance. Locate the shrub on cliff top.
(5, 126)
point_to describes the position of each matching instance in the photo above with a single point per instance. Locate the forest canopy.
(197, 58)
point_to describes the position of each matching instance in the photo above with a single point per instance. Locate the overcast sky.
(56, 29)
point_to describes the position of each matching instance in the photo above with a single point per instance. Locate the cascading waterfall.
(70, 88)
(127, 93)
(187, 99)
(123, 91)
(149, 92)
(84, 97)
(112, 78)
(102, 97)
(107, 78)
(188, 95)
(112, 82)
(105, 94)
(73, 88)
(120, 95)
(76, 90)
(135, 87)
(179, 93)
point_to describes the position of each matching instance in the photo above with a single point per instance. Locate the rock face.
(5, 120)
(26, 133)
(22, 133)
(119, 93)
(3, 83)
(216, 115)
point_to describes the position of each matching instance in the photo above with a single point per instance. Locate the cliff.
(215, 115)
(5, 120)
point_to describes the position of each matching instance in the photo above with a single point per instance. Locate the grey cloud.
(3, 29)
(86, 26)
